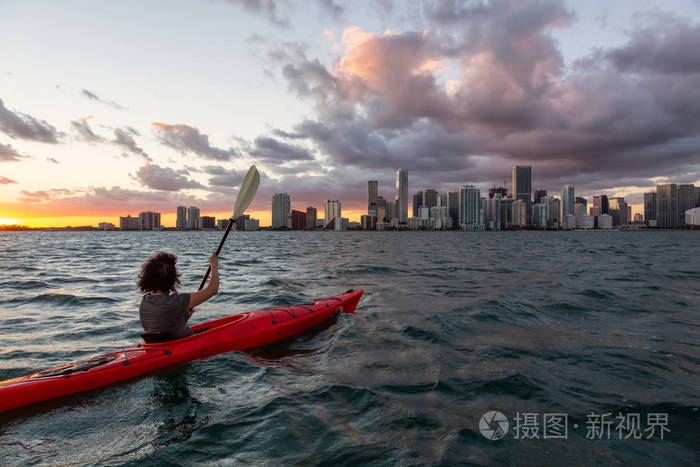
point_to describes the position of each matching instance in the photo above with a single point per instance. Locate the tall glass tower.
(401, 195)
(567, 201)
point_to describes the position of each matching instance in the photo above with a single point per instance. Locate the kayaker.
(164, 312)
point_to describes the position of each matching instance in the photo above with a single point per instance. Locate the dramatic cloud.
(93, 97)
(276, 11)
(41, 196)
(23, 126)
(224, 177)
(84, 132)
(124, 138)
(185, 138)
(486, 88)
(164, 178)
(269, 149)
(332, 9)
(6, 181)
(9, 154)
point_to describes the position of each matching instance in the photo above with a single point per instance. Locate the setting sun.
(7, 221)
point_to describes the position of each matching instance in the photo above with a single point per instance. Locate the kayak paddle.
(245, 196)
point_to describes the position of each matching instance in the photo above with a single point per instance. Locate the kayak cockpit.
(155, 339)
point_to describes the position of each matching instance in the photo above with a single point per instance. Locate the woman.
(164, 312)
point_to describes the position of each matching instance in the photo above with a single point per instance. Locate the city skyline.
(324, 96)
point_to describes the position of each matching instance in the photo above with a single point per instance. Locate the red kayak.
(239, 332)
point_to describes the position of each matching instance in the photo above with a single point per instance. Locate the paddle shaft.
(218, 250)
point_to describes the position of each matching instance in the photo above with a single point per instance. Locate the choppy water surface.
(451, 325)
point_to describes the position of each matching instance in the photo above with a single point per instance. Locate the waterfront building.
(192, 218)
(413, 223)
(567, 201)
(221, 224)
(506, 214)
(469, 208)
(601, 201)
(618, 211)
(332, 209)
(390, 209)
(483, 212)
(105, 226)
(251, 224)
(442, 199)
(686, 200)
(539, 215)
(493, 219)
(239, 222)
(381, 209)
(605, 222)
(692, 216)
(539, 194)
(281, 208)
(519, 213)
(594, 211)
(638, 218)
(554, 219)
(436, 212)
(368, 222)
(383, 225)
(129, 223)
(453, 204)
(181, 222)
(298, 220)
(522, 186)
(430, 198)
(207, 223)
(311, 215)
(443, 223)
(401, 195)
(569, 222)
(667, 213)
(149, 220)
(628, 217)
(320, 222)
(582, 200)
(423, 213)
(649, 206)
(697, 196)
(372, 191)
(585, 221)
(417, 203)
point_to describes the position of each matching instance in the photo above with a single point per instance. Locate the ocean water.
(451, 326)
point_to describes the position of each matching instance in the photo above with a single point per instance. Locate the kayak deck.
(244, 331)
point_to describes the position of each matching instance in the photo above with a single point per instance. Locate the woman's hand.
(213, 261)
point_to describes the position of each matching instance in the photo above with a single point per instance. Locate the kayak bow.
(238, 332)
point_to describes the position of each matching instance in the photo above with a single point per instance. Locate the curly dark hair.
(159, 274)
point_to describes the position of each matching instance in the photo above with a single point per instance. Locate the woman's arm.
(211, 289)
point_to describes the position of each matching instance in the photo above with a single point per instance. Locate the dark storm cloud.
(185, 138)
(668, 45)
(124, 139)
(275, 11)
(19, 125)
(93, 97)
(616, 116)
(6, 181)
(84, 131)
(164, 178)
(269, 149)
(9, 154)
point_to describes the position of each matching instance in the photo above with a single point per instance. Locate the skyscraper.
(567, 201)
(453, 205)
(442, 199)
(667, 215)
(281, 208)
(417, 203)
(554, 212)
(469, 216)
(686, 200)
(522, 186)
(649, 207)
(697, 196)
(618, 211)
(372, 191)
(601, 201)
(539, 194)
(311, 217)
(298, 220)
(332, 209)
(149, 220)
(401, 195)
(430, 198)
(181, 223)
(583, 201)
(193, 218)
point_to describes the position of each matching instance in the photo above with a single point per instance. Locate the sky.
(113, 108)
